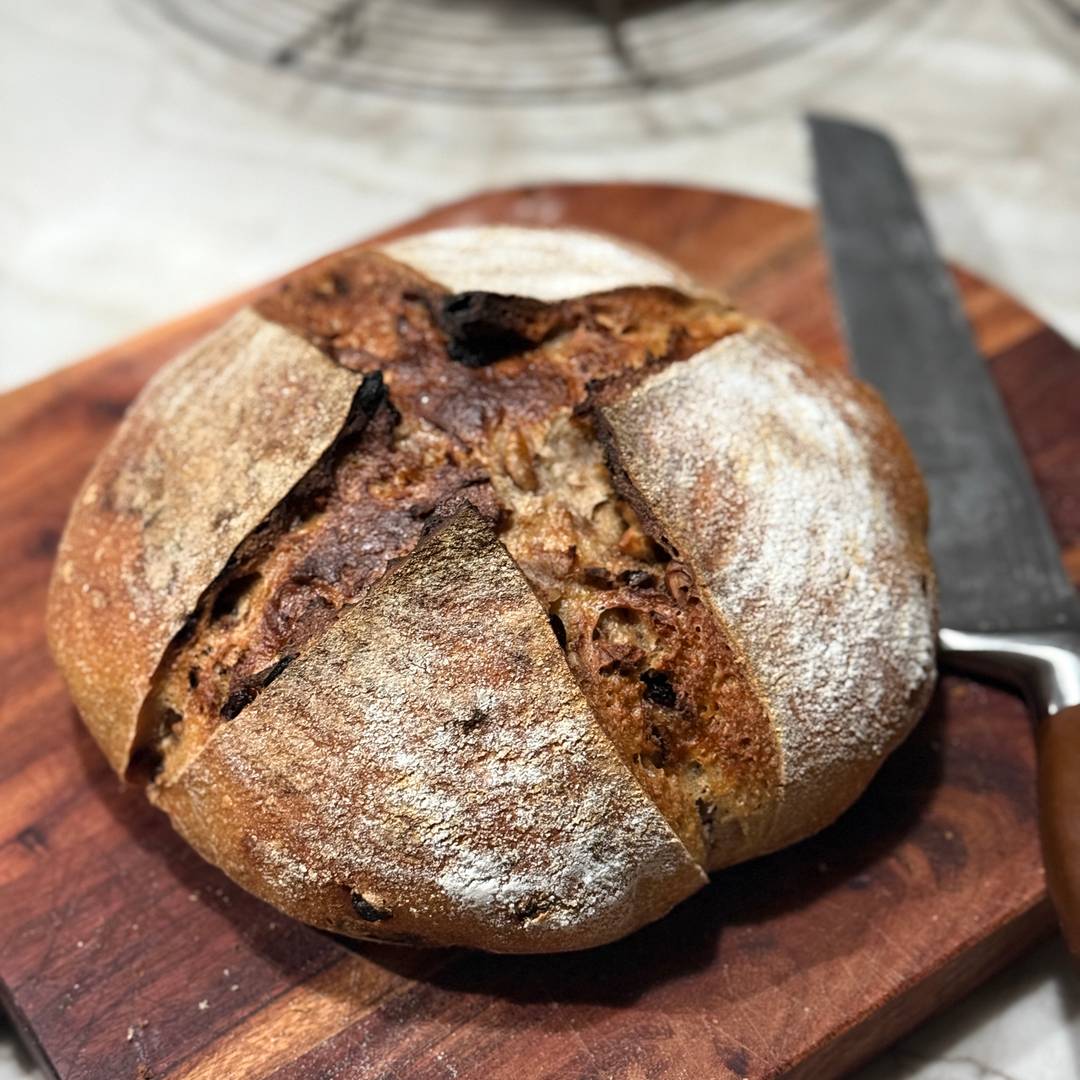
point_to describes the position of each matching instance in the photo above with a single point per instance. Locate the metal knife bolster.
(998, 561)
(1044, 666)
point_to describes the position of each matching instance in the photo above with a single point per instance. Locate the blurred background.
(159, 154)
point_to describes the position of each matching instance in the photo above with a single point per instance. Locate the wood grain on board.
(122, 954)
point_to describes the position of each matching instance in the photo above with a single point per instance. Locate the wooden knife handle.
(1058, 738)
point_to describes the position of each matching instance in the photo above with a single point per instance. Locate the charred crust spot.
(268, 675)
(186, 631)
(367, 910)
(658, 688)
(237, 701)
(370, 394)
(558, 628)
(193, 678)
(476, 718)
(241, 697)
(483, 328)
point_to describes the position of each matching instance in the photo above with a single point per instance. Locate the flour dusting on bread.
(793, 498)
(507, 582)
(485, 399)
(472, 791)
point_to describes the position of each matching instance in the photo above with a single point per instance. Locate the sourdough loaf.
(493, 587)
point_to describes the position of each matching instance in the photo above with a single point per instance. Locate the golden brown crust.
(790, 494)
(212, 444)
(475, 398)
(249, 553)
(430, 770)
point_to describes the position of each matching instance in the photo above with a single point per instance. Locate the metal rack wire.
(514, 52)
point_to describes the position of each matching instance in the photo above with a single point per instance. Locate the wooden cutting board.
(122, 954)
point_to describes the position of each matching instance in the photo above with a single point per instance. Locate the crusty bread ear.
(430, 771)
(546, 264)
(211, 445)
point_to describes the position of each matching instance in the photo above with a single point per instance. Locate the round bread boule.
(493, 587)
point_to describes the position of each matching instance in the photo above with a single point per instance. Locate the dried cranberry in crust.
(237, 701)
(597, 577)
(658, 688)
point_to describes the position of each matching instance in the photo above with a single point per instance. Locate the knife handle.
(1058, 741)
(1045, 667)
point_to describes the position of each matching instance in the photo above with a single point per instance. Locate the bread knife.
(1008, 610)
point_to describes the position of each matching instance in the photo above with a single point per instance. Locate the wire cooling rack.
(513, 52)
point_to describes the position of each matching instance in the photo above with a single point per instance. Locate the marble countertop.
(147, 173)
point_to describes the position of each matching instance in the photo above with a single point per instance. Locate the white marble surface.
(145, 174)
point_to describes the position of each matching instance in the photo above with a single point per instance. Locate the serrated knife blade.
(1008, 609)
(998, 562)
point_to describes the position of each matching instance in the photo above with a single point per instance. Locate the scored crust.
(215, 619)
(498, 813)
(795, 502)
(215, 441)
(441, 419)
